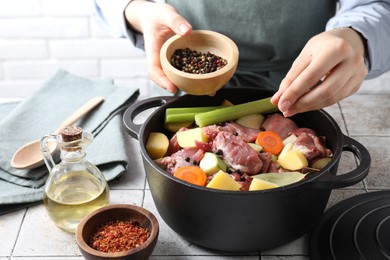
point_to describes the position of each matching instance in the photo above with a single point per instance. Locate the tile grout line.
(343, 118)
(17, 236)
(144, 193)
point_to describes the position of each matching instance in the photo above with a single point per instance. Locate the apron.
(269, 33)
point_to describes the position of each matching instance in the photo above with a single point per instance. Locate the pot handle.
(135, 109)
(329, 180)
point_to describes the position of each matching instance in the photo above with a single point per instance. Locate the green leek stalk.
(185, 114)
(223, 114)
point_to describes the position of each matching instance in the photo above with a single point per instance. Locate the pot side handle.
(132, 111)
(329, 180)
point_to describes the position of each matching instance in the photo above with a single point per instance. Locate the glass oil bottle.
(75, 187)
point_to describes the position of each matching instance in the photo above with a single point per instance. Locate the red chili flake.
(118, 236)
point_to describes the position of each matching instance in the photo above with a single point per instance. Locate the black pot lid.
(356, 228)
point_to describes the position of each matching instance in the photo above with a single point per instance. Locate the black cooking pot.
(243, 221)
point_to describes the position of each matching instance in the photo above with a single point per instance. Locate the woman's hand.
(334, 57)
(157, 22)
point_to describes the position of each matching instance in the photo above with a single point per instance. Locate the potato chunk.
(157, 145)
(188, 138)
(293, 160)
(174, 127)
(223, 181)
(258, 184)
(321, 163)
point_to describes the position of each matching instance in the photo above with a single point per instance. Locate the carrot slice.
(270, 141)
(191, 174)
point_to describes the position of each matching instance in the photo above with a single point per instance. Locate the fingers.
(324, 95)
(178, 24)
(157, 75)
(297, 67)
(155, 72)
(161, 22)
(341, 82)
(302, 79)
(145, 17)
(328, 58)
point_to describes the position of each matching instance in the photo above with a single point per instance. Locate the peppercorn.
(219, 152)
(196, 62)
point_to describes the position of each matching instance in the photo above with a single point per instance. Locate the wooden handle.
(79, 113)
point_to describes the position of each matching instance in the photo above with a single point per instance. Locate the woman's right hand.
(157, 22)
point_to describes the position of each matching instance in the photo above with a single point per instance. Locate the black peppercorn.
(196, 62)
(219, 152)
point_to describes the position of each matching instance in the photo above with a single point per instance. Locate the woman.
(282, 44)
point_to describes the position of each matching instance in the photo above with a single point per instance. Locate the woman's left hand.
(329, 68)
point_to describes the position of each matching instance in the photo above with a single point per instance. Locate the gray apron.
(269, 33)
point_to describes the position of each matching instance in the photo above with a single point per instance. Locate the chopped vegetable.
(185, 114)
(280, 178)
(290, 139)
(293, 160)
(211, 163)
(174, 127)
(187, 110)
(261, 106)
(256, 147)
(191, 174)
(252, 121)
(189, 137)
(157, 145)
(223, 181)
(258, 184)
(321, 162)
(286, 148)
(270, 141)
(226, 103)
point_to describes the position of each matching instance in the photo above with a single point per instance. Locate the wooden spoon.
(29, 155)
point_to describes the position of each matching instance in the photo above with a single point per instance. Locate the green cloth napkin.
(42, 113)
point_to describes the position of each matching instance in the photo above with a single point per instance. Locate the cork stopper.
(71, 133)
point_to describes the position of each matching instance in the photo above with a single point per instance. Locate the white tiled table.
(30, 234)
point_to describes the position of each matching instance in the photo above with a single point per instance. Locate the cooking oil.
(75, 195)
(75, 187)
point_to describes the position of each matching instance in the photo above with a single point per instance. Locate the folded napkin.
(42, 113)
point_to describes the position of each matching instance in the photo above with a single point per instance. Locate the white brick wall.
(37, 37)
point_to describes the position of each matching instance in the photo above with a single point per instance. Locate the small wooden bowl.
(203, 41)
(99, 217)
